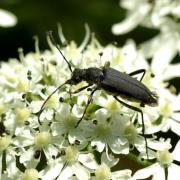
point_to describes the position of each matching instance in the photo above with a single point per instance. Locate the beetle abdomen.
(125, 86)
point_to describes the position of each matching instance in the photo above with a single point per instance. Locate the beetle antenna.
(44, 103)
(56, 45)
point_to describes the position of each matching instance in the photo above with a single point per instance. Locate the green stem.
(138, 160)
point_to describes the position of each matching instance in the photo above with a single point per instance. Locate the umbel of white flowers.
(56, 148)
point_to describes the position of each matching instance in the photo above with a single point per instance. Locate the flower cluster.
(162, 15)
(50, 145)
(162, 49)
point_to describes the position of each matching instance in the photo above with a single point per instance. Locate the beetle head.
(77, 76)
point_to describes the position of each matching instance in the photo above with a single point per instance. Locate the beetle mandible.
(114, 82)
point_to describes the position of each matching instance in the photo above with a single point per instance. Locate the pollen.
(4, 142)
(22, 85)
(43, 139)
(103, 172)
(103, 130)
(166, 109)
(30, 174)
(165, 157)
(130, 131)
(113, 105)
(22, 114)
(71, 155)
(69, 122)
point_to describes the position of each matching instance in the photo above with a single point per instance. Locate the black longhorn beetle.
(113, 82)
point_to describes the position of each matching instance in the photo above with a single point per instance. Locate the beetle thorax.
(90, 75)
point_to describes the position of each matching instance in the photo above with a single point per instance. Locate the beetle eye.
(101, 77)
(77, 79)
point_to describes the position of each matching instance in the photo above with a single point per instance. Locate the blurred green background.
(35, 17)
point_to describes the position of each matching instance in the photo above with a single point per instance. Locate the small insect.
(114, 82)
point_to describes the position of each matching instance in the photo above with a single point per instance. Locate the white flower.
(30, 174)
(150, 14)
(33, 145)
(103, 171)
(72, 162)
(51, 137)
(8, 163)
(161, 14)
(103, 132)
(7, 19)
(138, 12)
(164, 160)
(65, 124)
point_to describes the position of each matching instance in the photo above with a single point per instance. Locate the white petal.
(176, 102)
(27, 155)
(88, 160)
(77, 110)
(86, 39)
(174, 172)
(155, 128)
(7, 19)
(109, 160)
(61, 35)
(176, 152)
(57, 128)
(160, 174)
(129, 5)
(132, 21)
(175, 127)
(100, 100)
(101, 114)
(99, 144)
(80, 172)
(158, 145)
(163, 57)
(35, 106)
(76, 134)
(172, 71)
(146, 172)
(166, 124)
(24, 137)
(66, 173)
(123, 174)
(151, 46)
(53, 171)
(119, 145)
(50, 151)
(12, 170)
(176, 117)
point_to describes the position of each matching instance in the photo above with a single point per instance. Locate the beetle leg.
(139, 71)
(89, 101)
(81, 89)
(142, 117)
(44, 103)
(78, 90)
